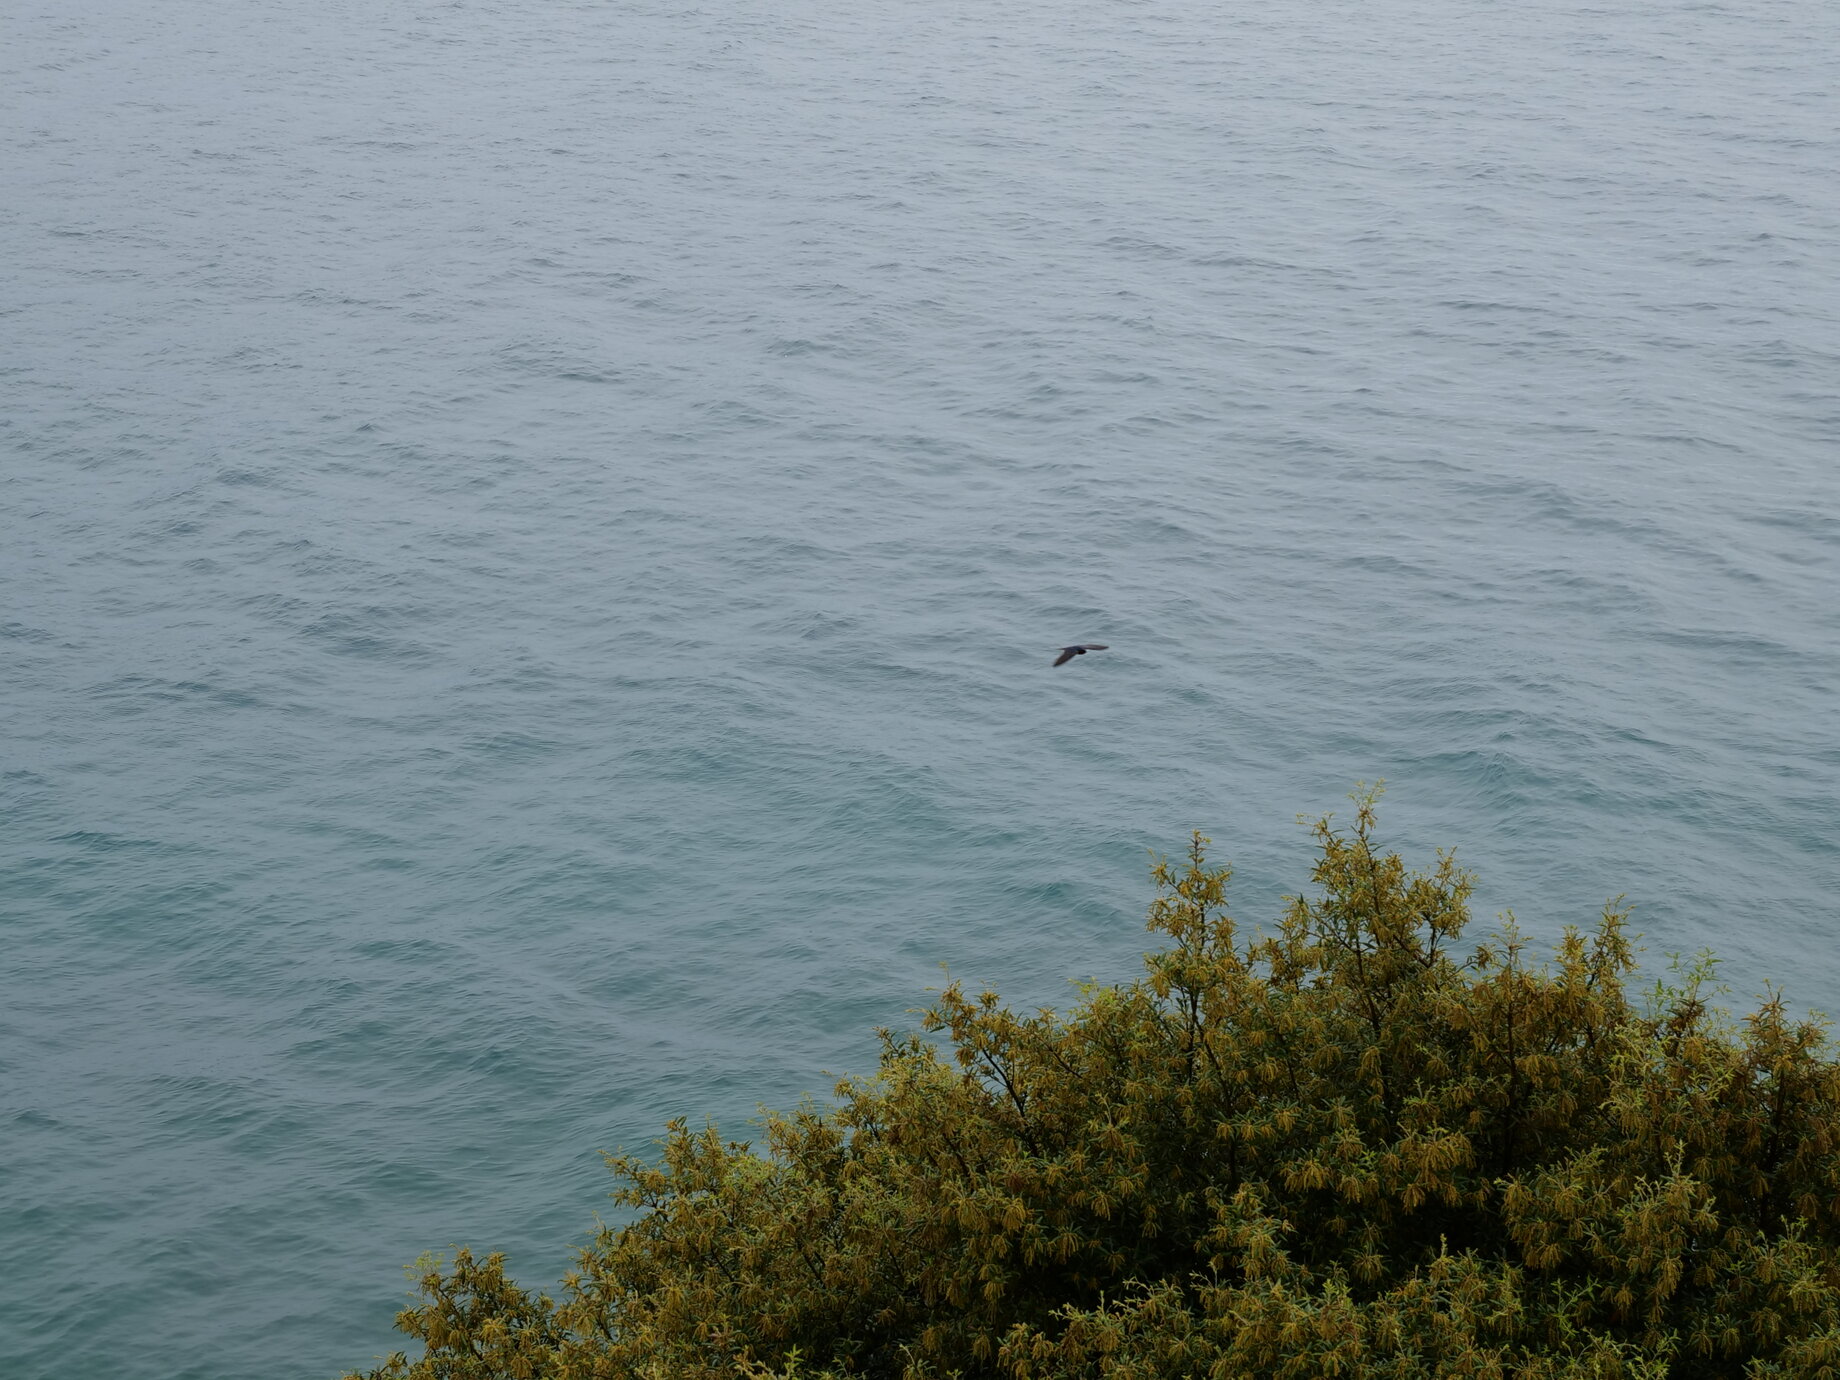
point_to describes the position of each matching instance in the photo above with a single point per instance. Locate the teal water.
(533, 536)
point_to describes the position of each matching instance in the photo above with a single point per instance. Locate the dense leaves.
(1344, 1149)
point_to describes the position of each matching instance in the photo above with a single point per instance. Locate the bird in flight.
(1069, 653)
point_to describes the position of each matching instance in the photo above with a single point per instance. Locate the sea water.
(532, 535)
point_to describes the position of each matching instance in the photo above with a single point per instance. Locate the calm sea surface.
(531, 537)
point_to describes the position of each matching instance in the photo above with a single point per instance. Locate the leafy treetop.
(1348, 1148)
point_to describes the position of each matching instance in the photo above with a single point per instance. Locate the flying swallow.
(1069, 653)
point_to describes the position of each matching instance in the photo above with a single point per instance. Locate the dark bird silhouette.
(1069, 653)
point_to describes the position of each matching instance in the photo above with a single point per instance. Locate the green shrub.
(1346, 1149)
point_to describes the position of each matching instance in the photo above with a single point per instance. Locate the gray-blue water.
(532, 534)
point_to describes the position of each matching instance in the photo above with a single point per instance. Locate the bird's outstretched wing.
(1095, 647)
(1067, 655)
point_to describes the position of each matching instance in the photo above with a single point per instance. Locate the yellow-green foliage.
(1347, 1149)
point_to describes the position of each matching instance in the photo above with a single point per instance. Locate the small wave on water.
(535, 538)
